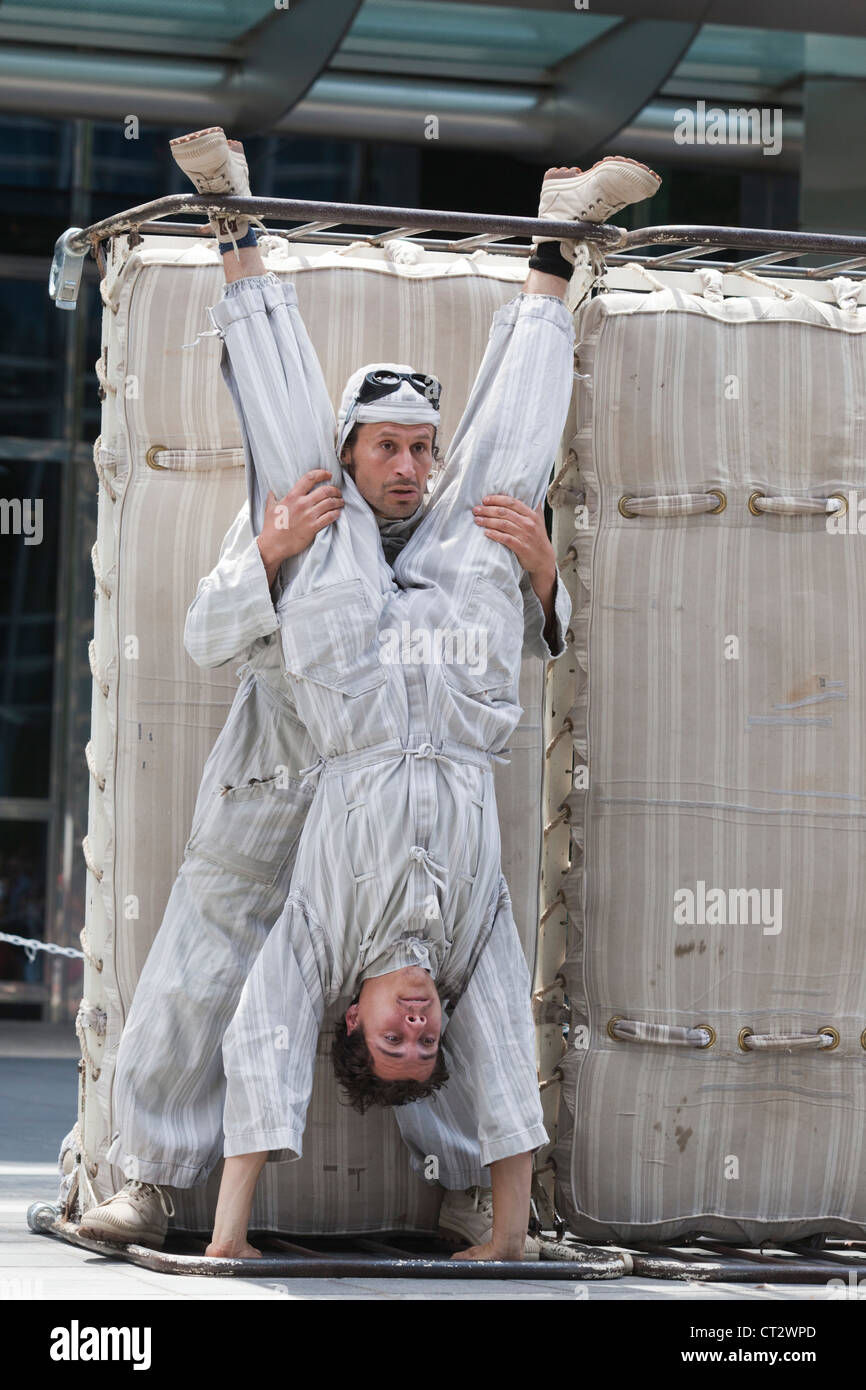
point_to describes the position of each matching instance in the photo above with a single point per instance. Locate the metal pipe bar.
(671, 256)
(818, 271)
(333, 1265)
(195, 229)
(650, 1266)
(382, 237)
(757, 1256)
(470, 243)
(346, 214)
(796, 272)
(745, 238)
(766, 259)
(305, 229)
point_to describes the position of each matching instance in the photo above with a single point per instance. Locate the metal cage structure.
(747, 256)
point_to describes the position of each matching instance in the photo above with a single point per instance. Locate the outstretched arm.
(512, 1183)
(546, 604)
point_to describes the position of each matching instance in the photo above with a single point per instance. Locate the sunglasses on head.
(382, 383)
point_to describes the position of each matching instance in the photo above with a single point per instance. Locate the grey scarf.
(395, 534)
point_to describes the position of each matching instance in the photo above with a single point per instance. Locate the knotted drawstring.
(419, 855)
(313, 772)
(205, 333)
(427, 750)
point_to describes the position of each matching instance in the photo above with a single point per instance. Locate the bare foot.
(228, 1251)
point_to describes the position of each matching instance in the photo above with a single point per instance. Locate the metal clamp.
(64, 279)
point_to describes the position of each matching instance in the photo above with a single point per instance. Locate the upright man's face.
(402, 1020)
(391, 464)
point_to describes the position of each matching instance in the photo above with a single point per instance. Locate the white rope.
(799, 506)
(84, 1166)
(95, 671)
(675, 504)
(98, 777)
(97, 570)
(90, 861)
(102, 377)
(786, 1041)
(85, 946)
(100, 469)
(633, 1030)
(82, 1022)
(780, 291)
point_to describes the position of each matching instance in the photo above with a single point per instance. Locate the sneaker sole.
(152, 1239)
(618, 159)
(197, 134)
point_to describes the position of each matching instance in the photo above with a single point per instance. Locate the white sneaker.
(137, 1214)
(214, 164)
(469, 1214)
(570, 195)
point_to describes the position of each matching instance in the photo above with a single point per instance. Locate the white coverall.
(169, 1083)
(404, 814)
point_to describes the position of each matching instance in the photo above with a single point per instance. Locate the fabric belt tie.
(311, 774)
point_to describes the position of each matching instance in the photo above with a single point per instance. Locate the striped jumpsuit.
(398, 862)
(169, 1083)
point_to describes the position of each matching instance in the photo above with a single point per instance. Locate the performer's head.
(387, 1050)
(386, 435)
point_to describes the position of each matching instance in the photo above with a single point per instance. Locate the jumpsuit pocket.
(359, 841)
(472, 838)
(251, 830)
(330, 637)
(490, 645)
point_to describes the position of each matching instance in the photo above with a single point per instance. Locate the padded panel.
(160, 714)
(721, 719)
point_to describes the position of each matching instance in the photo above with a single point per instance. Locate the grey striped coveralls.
(399, 859)
(168, 1117)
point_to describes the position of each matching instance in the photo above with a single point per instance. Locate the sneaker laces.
(482, 1203)
(135, 1185)
(232, 237)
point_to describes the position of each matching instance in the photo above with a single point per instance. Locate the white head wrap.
(405, 406)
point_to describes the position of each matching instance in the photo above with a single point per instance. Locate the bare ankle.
(537, 282)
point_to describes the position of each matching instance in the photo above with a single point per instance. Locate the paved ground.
(38, 1089)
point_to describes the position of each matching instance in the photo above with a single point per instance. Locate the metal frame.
(410, 1255)
(697, 245)
(403, 1254)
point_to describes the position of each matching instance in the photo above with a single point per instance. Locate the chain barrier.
(31, 945)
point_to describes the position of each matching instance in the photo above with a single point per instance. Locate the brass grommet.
(708, 1028)
(863, 1039)
(741, 1039)
(843, 499)
(752, 508)
(623, 509)
(151, 455)
(723, 501)
(611, 1033)
(833, 1033)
